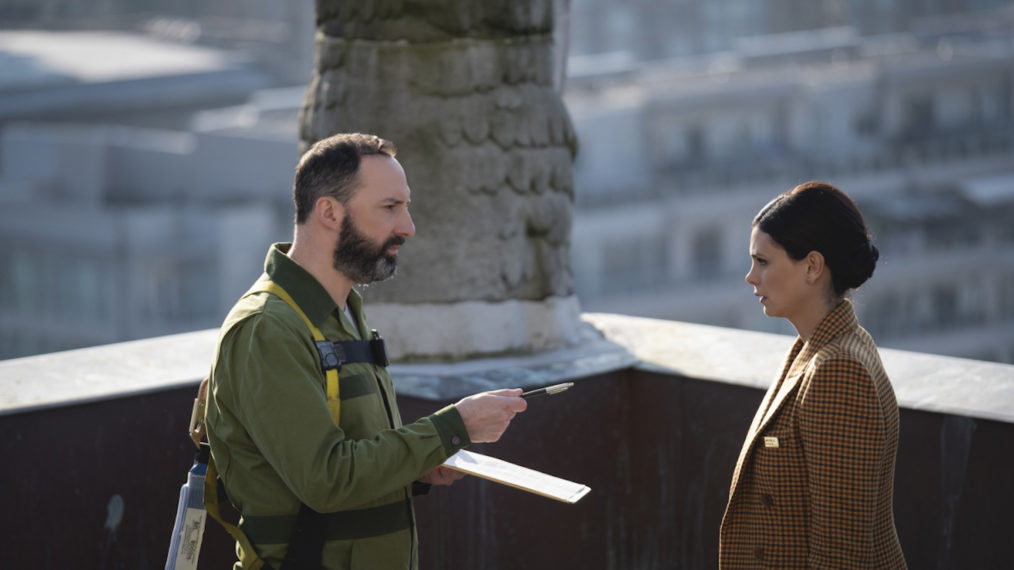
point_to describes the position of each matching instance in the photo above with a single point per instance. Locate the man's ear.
(815, 266)
(329, 212)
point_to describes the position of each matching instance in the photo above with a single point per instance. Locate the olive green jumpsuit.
(277, 447)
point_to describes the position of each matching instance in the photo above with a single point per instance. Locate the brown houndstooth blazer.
(814, 484)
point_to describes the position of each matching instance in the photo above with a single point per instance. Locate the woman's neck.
(807, 320)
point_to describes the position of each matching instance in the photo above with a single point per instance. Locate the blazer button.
(455, 440)
(767, 501)
(758, 552)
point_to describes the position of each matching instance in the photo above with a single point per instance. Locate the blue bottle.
(185, 545)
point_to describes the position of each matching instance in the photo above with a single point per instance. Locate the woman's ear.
(329, 212)
(815, 266)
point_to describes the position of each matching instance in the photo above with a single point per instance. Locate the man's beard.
(359, 260)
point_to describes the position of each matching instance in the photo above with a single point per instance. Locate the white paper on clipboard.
(517, 476)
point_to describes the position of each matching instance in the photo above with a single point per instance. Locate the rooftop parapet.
(940, 384)
(653, 426)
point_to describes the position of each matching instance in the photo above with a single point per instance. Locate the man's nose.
(405, 227)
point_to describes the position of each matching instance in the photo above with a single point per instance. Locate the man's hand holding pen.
(487, 414)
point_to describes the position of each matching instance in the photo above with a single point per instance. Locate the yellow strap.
(276, 290)
(247, 554)
(331, 385)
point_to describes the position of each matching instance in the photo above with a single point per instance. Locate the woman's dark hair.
(816, 216)
(330, 167)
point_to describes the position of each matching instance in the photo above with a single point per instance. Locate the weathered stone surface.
(466, 91)
(434, 20)
(472, 329)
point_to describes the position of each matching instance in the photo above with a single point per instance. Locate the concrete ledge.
(105, 372)
(131, 368)
(608, 343)
(926, 382)
(593, 355)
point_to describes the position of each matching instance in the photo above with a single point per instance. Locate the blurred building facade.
(129, 211)
(278, 35)
(648, 30)
(138, 203)
(119, 233)
(678, 155)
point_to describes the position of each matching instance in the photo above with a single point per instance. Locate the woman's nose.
(750, 277)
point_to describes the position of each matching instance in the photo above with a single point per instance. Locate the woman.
(814, 484)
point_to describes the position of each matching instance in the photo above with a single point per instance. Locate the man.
(297, 460)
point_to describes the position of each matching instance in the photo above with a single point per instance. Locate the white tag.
(770, 441)
(190, 541)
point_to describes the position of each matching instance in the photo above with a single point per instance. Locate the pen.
(556, 389)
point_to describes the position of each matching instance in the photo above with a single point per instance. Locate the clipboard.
(516, 476)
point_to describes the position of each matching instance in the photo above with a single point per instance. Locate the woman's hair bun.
(860, 268)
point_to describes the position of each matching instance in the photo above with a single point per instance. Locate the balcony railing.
(95, 451)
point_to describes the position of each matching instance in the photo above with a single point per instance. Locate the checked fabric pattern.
(814, 483)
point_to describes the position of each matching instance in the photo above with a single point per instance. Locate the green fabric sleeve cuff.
(451, 429)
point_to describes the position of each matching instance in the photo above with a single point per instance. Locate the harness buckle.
(332, 355)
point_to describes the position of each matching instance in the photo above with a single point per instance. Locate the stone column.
(468, 91)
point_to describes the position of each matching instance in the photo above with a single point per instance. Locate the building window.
(633, 263)
(707, 254)
(26, 283)
(695, 144)
(945, 305)
(918, 116)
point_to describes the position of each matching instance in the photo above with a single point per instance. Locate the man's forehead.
(381, 177)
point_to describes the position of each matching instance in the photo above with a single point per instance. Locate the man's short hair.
(330, 168)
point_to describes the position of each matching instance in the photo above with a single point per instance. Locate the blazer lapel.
(762, 413)
(793, 373)
(775, 395)
(787, 388)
